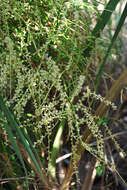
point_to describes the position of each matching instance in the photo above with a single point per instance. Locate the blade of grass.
(102, 21)
(14, 144)
(118, 29)
(55, 150)
(26, 135)
(15, 126)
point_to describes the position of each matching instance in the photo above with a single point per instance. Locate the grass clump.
(47, 75)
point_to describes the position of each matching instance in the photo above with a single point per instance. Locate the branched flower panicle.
(90, 120)
(41, 73)
(114, 140)
(78, 87)
(102, 99)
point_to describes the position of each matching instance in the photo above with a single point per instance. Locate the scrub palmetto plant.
(44, 48)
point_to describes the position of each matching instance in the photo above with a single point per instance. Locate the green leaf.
(26, 142)
(13, 157)
(29, 115)
(13, 142)
(55, 150)
(101, 23)
(118, 29)
(99, 169)
(104, 120)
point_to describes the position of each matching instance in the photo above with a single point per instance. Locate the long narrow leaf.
(118, 29)
(15, 126)
(14, 144)
(104, 18)
(26, 135)
(102, 21)
(55, 150)
(32, 148)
